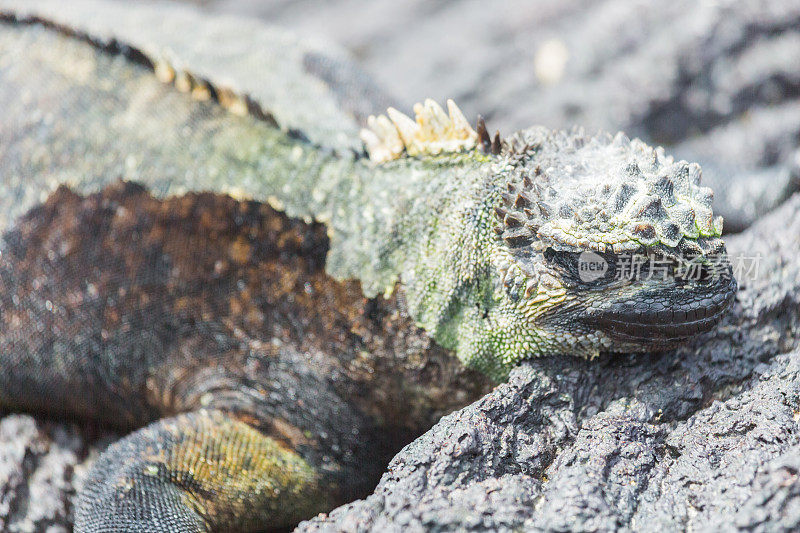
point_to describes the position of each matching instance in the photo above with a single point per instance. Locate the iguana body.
(282, 344)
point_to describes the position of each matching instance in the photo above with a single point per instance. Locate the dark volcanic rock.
(705, 437)
(41, 464)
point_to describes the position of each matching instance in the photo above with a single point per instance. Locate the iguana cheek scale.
(473, 238)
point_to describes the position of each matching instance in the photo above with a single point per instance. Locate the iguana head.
(578, 244)
(607, 243)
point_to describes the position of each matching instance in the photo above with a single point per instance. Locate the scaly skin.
(275, 353)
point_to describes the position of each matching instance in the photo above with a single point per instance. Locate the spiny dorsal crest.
(601, 193)
(433, 132)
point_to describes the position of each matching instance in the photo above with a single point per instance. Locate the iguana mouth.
(664, 324)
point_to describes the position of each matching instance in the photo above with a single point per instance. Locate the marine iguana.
(275, 302)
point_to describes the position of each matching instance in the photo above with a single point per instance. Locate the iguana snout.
(663, 300)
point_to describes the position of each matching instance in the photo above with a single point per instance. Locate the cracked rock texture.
(41, 465)
(702, 438)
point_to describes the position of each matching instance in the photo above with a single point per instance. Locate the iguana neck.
(382, 217)
(422, 222)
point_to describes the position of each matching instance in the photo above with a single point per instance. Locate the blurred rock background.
(716, 81)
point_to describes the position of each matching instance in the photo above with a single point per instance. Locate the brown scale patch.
(204, 282)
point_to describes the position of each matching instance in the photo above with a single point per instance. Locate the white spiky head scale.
(432, 131)
(572, 192)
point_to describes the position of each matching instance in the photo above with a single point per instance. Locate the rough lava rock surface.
(41, 466)
(702, 438)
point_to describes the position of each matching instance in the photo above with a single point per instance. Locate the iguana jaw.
(649, 329)
(648, 312)
(660, 320)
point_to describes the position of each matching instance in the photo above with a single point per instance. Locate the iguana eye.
(586, 267)
(561, 258)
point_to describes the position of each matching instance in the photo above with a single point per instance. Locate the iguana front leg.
(201, 471)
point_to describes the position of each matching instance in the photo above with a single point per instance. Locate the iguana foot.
(202, 471)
